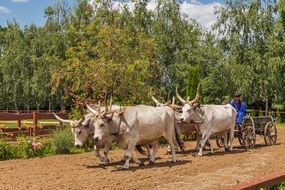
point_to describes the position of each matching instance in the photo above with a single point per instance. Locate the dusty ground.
(83, 171)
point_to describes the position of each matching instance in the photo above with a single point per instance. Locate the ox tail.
(140, 150)
(177, 137)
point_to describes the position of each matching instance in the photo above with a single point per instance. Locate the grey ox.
(140, 124)
(83, 128)
(210, 119)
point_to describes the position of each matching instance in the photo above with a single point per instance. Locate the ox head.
(190, 108)
(172, 105)
(80, 128)
(104, 123)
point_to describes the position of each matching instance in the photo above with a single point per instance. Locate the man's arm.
(241, 113)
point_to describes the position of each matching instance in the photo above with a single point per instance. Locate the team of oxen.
(135, 126)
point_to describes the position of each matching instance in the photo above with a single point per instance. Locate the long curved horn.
(179, 97)
(99, 106)
(92, 110)
(155, 100)
(197, 95)
(173, 100)
(60, 119)
(168, 95)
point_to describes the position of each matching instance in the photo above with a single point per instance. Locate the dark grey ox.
(210, 119)
(140, 124)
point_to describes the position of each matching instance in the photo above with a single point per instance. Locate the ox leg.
(149, 150)
(128, 155)
(225, 135)
(107, 148)
(155, 149)
(172, 144)
(202, 143)
(168, 150)
(231, 138)
(198, 139)
(210, 145)
(97, 153)
(136, 160)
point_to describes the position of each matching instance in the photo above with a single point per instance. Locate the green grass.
(13, 124)
(281, 125)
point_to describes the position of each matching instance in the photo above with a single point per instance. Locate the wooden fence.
(35, 129)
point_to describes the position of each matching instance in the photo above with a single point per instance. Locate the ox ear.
(88, 123)
(109, 117)
(196, 106)
(123, 129)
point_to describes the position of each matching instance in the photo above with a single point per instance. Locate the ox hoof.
(141, 164)
(227, 149)
(104, 164)
(124, 167)
(151, 162)
(199, 154)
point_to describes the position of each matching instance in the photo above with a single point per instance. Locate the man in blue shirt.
(240, 107)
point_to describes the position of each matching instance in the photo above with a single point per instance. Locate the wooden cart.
(263, 126)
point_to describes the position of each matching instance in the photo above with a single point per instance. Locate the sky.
(26, 12)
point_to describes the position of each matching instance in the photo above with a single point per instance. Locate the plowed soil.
(83, 171)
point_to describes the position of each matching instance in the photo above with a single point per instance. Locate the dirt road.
(83, 171)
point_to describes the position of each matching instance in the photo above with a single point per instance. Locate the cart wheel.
(248, 138)
(270, 134)
(220, 141)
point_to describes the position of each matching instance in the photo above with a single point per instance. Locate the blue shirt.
(240, 109)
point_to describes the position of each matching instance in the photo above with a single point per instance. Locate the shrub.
(62, 141)
(7, 151)
(27, 148)
(23, 147)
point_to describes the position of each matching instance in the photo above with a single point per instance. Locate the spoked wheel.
(270, 134)
(248, 137)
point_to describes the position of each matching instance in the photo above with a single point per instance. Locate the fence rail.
(32, 130)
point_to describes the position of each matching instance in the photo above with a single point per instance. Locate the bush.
(280, 186)
(62, 141)
(23, 147)
(7, 151)
(26, 148)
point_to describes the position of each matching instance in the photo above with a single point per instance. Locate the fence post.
(35, 122)
(18, 121)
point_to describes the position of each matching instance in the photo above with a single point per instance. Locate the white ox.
(140, 124)
(182, 127)
(84, 128)
(210, 119)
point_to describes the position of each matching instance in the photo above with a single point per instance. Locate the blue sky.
(26, 12)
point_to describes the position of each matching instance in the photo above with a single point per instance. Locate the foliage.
(6, 151)
(62, 141)
(85, 51)
(280, 186)
(26, 148)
